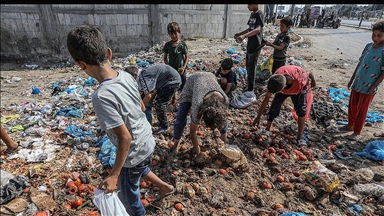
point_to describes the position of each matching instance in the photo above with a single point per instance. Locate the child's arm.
(142, 106)
(313, 81)
(353, 77)
(282, 45)
(256, 121)
(186, 59)
(373, 87)
(149, 97)
(241, 33)
(165, 57)
(251, 33)
(228, 88)
(110, 183)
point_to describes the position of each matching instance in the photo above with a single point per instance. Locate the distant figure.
(273, 18)
(361, 19)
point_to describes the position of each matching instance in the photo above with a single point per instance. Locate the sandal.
(9, 151)
(301, 142)
(161, 196)
(378, 134)
(265, 133)
(354, 137)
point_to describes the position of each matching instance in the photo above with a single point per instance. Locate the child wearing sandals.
(365, 81)
(288, 81)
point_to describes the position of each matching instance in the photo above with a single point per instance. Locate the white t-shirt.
(117, 102)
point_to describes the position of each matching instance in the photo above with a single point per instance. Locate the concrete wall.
(37, 32)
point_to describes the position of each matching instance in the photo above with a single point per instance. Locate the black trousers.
(299, 101)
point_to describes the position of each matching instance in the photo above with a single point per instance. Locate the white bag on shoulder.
(109, 204)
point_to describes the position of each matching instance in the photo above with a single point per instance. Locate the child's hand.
(109, 184)
(371, 90)
(180, 70)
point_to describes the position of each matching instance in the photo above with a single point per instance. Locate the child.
(157, 83)
(205, 99)
(176, 53)
(365, 81)
(288, 81)
(227, 79)
(281, 44)
(254, 33)
(9, 142)
(117, 105)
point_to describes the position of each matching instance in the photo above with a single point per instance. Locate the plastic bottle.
(47, 109)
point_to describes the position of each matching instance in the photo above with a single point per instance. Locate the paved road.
(356, 23)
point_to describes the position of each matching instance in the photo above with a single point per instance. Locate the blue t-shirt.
(370, 68)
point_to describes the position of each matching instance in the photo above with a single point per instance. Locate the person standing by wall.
(176, 53)
(254, 33)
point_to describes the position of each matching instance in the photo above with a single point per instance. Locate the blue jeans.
(181, 121)
(129, 187)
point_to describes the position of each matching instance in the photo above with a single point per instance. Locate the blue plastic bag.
(374, 150)
(293, 214)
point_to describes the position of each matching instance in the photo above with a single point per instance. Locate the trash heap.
(63, 155)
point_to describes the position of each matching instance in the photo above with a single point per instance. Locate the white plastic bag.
(109, 204)
(244, 100)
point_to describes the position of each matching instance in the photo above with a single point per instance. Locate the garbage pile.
(63, 155)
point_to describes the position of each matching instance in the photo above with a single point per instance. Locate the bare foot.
(346, 128)
(175, 148)
(378, 134)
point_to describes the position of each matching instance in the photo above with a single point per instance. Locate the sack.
(109, 204)
(244, 100)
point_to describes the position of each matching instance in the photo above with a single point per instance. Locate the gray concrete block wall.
(34, 32)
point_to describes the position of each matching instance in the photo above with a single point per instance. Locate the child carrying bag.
(109, 204)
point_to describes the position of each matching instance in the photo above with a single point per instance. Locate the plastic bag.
(244, 100)
(374, 150)
(109, 204)
(267, 65)
(319, 175)
(309, 105)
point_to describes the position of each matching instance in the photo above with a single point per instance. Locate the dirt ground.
(252, 185)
